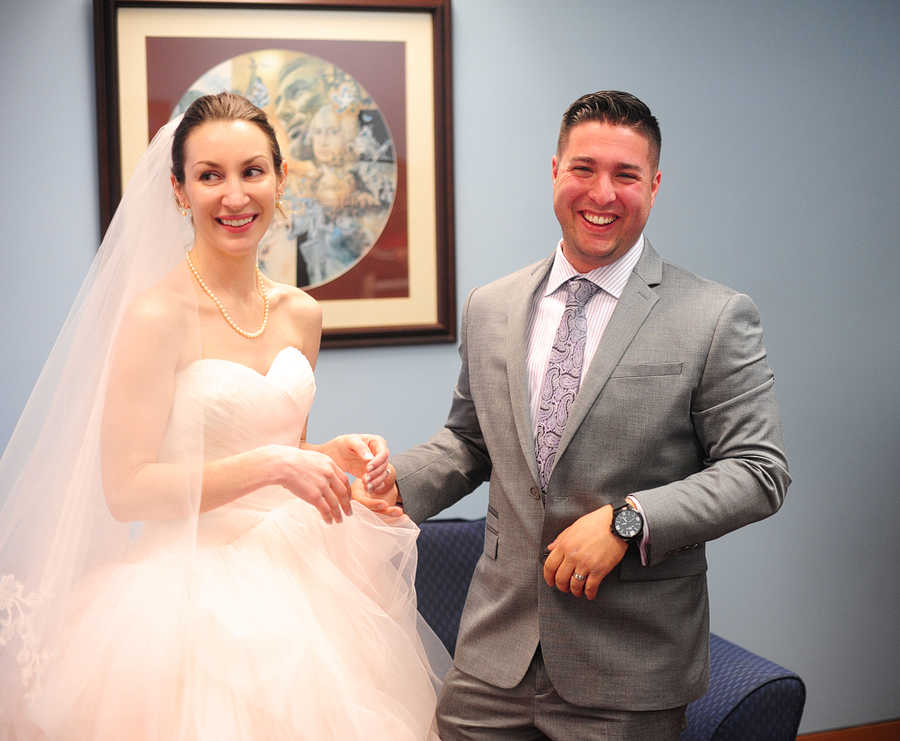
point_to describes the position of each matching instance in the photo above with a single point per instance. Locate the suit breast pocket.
(647, 370)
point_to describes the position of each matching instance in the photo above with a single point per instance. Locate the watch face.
(628, 523)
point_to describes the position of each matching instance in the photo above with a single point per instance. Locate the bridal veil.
(54, 522)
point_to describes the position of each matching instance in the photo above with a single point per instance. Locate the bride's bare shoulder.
(297, 304)
(164, 310)
(297, 317)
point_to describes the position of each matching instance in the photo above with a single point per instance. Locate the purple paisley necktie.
(563, 375)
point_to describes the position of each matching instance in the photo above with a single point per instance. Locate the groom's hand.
(381, 501)
(363, 455)
(586, 548)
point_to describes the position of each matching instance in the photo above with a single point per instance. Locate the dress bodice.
(239, 410)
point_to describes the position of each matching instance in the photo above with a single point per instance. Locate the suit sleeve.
(455, 461)
(738, 425)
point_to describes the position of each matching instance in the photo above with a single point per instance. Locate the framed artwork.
(359, 94)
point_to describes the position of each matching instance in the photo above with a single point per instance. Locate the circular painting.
(342, 169)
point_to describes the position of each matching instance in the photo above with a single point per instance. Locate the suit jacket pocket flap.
(491, 540)
(688, 563)
(638, 370)
(491, 533)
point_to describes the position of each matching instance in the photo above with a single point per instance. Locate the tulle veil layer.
(54, 523)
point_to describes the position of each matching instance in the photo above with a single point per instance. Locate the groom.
(623, 422)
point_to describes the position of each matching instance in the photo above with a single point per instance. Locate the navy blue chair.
(749, 698)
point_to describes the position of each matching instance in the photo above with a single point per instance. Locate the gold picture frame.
(401, 290)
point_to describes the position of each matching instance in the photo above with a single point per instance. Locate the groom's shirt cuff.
(644, 543)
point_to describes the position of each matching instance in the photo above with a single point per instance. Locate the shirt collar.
(611, 278)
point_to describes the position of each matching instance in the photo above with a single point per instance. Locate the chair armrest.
(749, 699)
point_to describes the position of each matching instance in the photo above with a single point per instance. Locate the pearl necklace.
(235, 327)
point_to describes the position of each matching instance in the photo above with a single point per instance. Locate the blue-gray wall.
(780, 162)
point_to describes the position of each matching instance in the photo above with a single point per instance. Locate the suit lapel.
(631, 311)
(516, 367)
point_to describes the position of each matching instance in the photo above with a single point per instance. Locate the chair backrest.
(448, 553)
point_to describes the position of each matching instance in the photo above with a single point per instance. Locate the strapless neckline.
(288, 352)
(238, 407)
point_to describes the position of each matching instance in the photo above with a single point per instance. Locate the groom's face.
(604, 185)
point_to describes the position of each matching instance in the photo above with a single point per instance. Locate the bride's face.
(230, 185)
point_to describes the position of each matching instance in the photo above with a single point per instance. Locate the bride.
(177, 562)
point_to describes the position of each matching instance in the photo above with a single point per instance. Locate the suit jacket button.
(535, 492)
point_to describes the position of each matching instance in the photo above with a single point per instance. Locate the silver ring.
(579, 577)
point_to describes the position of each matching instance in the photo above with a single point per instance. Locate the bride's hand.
(315, 478)
(365, 456)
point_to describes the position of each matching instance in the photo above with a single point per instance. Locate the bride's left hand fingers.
(382, 480)
(379, 452)
(358, 448)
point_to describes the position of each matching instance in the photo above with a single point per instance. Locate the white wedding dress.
(284, 627)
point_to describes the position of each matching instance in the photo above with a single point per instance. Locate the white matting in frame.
(414, 30)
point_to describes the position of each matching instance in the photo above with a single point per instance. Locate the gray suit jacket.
(678, 409)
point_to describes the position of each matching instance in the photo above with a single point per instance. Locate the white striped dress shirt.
(546, 311)
(550, 302)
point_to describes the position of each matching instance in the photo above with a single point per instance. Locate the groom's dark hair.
(616, 108)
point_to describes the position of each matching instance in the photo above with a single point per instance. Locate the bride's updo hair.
(220, 107)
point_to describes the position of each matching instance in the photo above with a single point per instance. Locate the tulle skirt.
(294, 630)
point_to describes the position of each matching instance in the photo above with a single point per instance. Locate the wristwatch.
(627, 522)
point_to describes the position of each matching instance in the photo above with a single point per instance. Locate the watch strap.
(618, 504)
